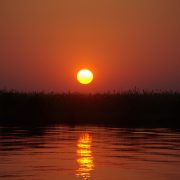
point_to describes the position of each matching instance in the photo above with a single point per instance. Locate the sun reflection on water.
(85, 157)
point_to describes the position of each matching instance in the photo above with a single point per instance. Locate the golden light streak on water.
(85, 157)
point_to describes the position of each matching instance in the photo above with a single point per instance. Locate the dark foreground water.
(89, 152)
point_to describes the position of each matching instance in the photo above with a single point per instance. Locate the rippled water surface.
(89, 152)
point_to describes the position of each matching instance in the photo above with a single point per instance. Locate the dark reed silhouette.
(128, 109)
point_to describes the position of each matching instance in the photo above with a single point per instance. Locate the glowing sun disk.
(85, 76)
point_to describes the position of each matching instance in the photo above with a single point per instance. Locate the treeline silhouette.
(127, 109)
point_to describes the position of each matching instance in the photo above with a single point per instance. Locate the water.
(81, 152)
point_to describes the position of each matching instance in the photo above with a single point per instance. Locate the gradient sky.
(127, 43)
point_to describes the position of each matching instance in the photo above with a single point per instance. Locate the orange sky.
(43, 43)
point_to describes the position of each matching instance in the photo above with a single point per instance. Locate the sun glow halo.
(85, 76)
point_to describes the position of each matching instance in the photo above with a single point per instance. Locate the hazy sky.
(127, 43)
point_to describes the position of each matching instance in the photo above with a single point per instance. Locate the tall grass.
(127, 109)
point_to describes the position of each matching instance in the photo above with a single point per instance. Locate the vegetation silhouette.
(127, 109)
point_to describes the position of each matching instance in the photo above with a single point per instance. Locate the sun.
(85, 76)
